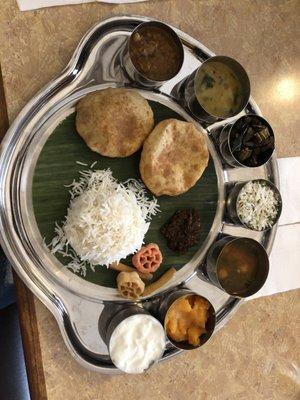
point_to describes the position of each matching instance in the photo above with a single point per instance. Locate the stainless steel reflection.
(190, 96)
(225, 146)
(233, 198)
(215, 253)
(130, 68)
(169, 301)
(76, 304)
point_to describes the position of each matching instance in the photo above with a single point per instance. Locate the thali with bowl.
(41, 154)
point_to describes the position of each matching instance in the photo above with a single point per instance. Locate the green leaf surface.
(57, 167)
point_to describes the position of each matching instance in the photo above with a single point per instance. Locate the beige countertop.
(257, 354)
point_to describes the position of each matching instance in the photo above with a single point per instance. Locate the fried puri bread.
(174, 157)
(114, 122)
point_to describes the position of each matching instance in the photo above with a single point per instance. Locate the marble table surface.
(257, 354)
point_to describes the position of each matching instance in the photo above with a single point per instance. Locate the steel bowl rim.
(267, 264)
(212, 313)
(247, 84)
(149, 315)
(274, 188)
(167, 28)
(229, 137)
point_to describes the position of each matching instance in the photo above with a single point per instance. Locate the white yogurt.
(136, 342)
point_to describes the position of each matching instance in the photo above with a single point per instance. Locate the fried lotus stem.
(126, 268)
(160, 282)
(130, 285)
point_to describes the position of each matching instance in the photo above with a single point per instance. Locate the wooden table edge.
(26, 305)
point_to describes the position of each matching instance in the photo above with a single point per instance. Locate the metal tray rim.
(41, 286)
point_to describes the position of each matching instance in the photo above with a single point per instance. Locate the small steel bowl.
(233, 197)
(168, 302)
(130, 68)
(225, 146)
(190, 89)
(120, 316)
(213, 258)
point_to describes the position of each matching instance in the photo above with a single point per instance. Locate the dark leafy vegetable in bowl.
(252, 140)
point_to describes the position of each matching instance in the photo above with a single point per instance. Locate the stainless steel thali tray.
(79, 307)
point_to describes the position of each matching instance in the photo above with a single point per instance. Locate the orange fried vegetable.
(186, 319)
(148, 258)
